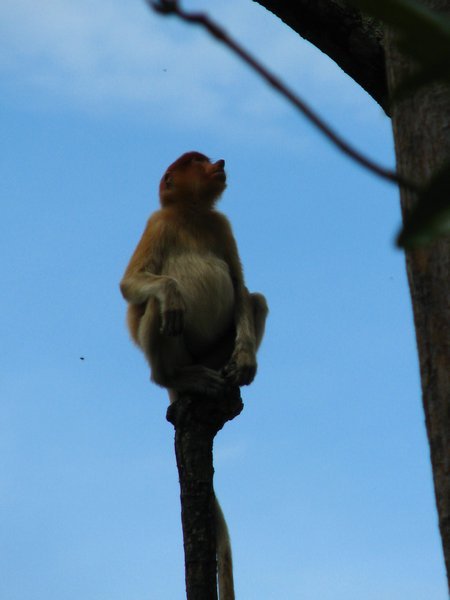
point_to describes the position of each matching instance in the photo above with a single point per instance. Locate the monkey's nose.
(220, 163)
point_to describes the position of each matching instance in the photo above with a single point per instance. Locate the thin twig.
(171, 7)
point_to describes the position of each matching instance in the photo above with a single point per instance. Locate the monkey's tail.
(224, 557)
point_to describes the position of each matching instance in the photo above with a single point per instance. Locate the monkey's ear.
(168, 180)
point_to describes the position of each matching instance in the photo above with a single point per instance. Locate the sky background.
(325, 477)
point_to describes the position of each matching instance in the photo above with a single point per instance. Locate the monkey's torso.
(188, 247)
(207, 289)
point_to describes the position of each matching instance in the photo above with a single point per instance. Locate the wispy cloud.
(107, 55)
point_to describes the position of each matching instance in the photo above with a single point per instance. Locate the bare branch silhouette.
(172, 7)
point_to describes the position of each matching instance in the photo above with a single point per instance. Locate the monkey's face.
(193, 178)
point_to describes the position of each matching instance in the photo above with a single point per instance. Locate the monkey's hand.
(173, 309)
(241, 368)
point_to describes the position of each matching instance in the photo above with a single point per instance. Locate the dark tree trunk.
(196, 421)
(421, 126)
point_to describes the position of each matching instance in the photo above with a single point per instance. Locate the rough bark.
(353, 41)
(196, 421)
(421, 126)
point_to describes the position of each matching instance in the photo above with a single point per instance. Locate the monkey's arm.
(242, 365)
(139, 288)
(142, 281)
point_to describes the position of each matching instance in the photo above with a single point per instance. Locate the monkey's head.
(193, 179)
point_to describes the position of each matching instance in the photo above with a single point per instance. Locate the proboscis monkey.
(188, 307)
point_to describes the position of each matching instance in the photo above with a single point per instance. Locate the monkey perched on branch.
(188, 308)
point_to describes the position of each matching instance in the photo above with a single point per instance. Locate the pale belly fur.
(207, 289)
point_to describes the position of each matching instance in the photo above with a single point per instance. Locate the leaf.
(431, 215)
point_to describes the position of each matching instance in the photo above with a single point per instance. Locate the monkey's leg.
(174, 373)
(215, 359)
(170, 362)
(219, 354)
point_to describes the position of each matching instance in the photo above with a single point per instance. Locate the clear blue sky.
(325, 477)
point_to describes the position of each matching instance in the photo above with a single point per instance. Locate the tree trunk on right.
(421, 126)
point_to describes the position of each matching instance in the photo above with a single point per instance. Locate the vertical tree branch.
(197, 420)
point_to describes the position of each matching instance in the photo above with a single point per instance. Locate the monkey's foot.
(201, 380)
